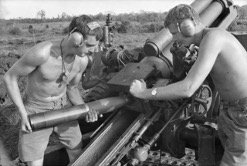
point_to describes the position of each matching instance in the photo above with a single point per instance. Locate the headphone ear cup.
(187, 28)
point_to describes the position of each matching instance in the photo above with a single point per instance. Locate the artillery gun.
(135, 126)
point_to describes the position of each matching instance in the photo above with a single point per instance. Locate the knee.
(74, 145)
(35, 163)
(73, 154)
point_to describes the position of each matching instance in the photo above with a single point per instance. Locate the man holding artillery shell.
(53, 70)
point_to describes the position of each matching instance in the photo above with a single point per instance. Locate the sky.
(29, 8)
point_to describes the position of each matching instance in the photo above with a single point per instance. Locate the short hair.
(86, 26)
(180, 13)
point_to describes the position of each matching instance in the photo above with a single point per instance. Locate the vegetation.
(15, 31)
(144, 22)
(142, 17)
(240, 24)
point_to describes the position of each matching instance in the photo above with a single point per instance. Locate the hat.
(93, 25)
(181, 12)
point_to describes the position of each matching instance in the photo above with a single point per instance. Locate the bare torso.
(44, 83)
(229, 72)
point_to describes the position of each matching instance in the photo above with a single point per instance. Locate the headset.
(187, 27)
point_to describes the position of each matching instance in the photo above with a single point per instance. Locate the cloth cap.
(93, 25)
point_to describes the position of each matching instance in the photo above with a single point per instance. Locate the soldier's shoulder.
(44, 44)
(215, 35)
(83, 61)
(41, 50)
(42, 47)
(216, 32)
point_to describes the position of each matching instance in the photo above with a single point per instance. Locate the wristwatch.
(154, 92)
(87, 108)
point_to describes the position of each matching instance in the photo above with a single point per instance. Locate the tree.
(64, 15)
(41, 14)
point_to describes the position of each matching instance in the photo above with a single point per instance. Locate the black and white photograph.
(123, 83)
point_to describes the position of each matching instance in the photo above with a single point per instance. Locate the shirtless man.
(53, 70)
(223, 57)
(86, 77)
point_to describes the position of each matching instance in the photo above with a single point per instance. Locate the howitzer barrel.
(153, 46)
(200, 5)
(53, 118)
(210, 14)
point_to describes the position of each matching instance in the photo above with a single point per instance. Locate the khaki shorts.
(32, 145)
(233, 133)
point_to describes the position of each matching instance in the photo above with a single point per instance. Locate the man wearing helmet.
(223, 57)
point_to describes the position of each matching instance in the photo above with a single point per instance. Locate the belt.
(56, 104)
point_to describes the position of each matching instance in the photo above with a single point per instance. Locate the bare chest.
(229, 76)
(53, 70)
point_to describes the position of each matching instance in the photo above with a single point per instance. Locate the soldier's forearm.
(74, 96)
(14, 93)
(170, 92)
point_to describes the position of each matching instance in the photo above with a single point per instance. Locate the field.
(16, 39)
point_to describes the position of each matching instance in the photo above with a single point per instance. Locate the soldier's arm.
(210, 48)
(75, 96)
(72, 88)
(24, 66)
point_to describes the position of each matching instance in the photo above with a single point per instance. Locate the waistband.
(238, 102)
(55, 104)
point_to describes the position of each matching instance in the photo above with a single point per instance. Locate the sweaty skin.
(224, 54)
(223, 57)
(42, 65)
(43, 81)
(220, 54)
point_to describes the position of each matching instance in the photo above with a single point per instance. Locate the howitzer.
(126, 137)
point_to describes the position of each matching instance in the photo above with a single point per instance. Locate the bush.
(128, 27)
(238, 25)
(15, 31)
(32, 30)
(155, 27)
(66, 30)
(30, 27)
(151, 27)
(124, 27)
(2, 31)
(136, 27)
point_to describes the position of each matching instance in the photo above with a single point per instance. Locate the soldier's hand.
(91, 116)
(137, 88)
(25, 125)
